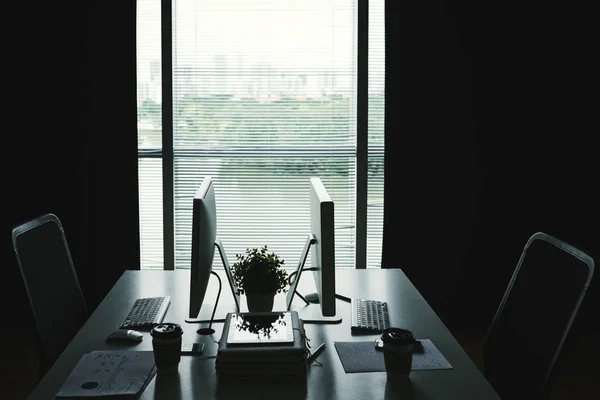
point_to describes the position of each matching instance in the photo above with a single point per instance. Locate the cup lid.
(167, 330)
(398, 336)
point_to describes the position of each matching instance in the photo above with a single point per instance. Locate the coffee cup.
(398, 347)
(166, 343)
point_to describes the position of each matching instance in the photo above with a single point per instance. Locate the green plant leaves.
(259, 271)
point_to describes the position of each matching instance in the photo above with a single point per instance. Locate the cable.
(212, 317)
(306, 341)
(290, 282)
(210, 330)
(296, 272)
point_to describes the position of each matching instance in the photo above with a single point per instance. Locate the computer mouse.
(125, 335)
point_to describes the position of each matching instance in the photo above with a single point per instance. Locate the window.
(261, 96)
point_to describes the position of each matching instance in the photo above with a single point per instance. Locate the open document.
(110, 373)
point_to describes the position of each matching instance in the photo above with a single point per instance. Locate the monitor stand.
(204, 316)
(310, 311)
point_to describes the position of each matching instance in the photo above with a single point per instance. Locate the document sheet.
(109, 373)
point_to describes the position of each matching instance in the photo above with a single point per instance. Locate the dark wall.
(534, 84)
(70, 138)
(488, 136)
(490, 121)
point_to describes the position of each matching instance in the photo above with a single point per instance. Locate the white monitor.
(319, 307)
(204, 234)
(323, 251)
(204, 241)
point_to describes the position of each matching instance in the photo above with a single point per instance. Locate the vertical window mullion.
(362, 130)
(167, 134)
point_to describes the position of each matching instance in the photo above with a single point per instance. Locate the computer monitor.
(323, 251)
(204, 234)
(319, 307)
(204, 241)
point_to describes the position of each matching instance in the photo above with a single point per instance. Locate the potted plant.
(259, 274)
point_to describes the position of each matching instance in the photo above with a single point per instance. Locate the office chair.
(51, 283)
(534, 317)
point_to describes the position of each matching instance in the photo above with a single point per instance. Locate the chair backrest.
(51, 283)
(534, 317)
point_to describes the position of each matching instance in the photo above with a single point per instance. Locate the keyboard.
(146, 312)
(369, 316)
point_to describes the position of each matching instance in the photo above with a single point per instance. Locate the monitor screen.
(204, 233)
(323, 251)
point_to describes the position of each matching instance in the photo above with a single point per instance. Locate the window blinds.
(264, 97)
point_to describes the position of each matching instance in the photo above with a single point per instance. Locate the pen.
(316, 353)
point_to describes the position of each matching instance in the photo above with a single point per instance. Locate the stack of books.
(262, 345)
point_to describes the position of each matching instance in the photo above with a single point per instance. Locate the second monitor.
(324, 309)
(323, 252)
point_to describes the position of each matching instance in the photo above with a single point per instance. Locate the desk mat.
(363, 357)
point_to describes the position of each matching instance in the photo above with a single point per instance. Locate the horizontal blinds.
(149, 78)
(264, 98)
(376, 131)
(149, 110)
(151, 213)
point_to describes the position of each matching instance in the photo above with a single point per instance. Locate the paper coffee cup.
(166, 343)
(398, 347)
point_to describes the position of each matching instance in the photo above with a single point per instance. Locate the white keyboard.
(146, 312)
(369, 316)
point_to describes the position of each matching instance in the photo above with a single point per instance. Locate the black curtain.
(488, 140)
(71, 138)
(433, 167)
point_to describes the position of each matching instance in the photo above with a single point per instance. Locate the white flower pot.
(260, 302)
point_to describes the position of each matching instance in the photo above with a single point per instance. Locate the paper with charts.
(363, 357)
(109, 373)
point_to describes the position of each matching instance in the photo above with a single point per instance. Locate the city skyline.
(260, 49)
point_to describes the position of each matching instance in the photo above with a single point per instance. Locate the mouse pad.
(363, 357)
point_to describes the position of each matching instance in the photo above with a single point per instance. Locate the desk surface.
(197, 377)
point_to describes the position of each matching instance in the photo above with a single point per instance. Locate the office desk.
(197, 378)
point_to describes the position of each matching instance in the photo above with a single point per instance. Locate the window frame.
(167, 153)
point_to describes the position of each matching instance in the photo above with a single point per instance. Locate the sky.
(299, 35)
